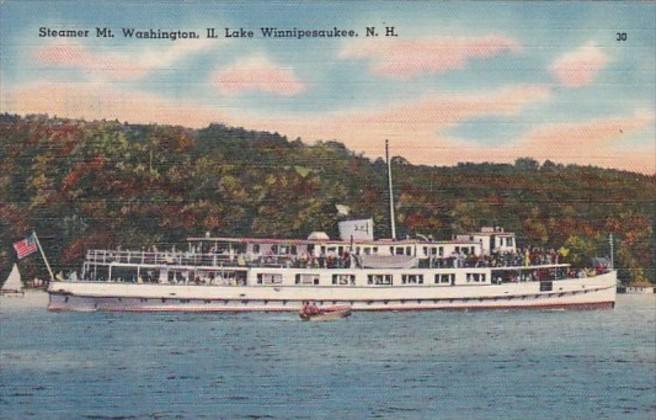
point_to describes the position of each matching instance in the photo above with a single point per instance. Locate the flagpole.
(43, 254)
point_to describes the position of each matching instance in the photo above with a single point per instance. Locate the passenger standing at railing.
(527, 258)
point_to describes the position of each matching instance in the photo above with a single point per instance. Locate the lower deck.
(592, 292)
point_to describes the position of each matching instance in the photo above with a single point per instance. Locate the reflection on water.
(523, 364)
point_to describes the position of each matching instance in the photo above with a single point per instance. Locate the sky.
(462, 80)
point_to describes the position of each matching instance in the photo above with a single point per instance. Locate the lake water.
(521, 364)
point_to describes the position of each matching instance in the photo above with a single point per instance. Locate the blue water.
(523, 364)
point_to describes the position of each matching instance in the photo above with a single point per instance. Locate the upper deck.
(245, 253)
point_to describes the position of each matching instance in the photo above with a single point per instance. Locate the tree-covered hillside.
(105, 184)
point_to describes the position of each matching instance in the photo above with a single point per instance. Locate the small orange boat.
(311, 312)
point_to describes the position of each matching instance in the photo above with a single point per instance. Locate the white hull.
(592, 292)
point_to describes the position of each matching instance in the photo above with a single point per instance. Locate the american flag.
(25, 247)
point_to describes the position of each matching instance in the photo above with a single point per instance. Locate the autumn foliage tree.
(99, 184)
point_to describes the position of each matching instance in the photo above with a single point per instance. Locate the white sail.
(13, 282)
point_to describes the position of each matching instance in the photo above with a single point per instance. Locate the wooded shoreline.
(105, 184)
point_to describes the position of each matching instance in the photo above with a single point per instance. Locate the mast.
(612, 253)
(391, 191)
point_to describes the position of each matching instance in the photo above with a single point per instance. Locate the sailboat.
(13, 286)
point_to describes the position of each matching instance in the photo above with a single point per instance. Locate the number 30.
(621, 36)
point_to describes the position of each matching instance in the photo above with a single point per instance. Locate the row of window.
(366, 250)
(292, 249)
(372, 279)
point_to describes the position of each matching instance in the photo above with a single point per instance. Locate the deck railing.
(158, 257)
(102, 256)
(186, 258)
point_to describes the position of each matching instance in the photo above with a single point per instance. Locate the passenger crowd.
(522, 257)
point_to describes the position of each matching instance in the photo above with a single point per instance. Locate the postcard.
(462, 191)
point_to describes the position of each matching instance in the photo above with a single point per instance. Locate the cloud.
(605, 142)
(579, 67)
(415, 123)
(112, 65)
(590, 135)
(417, 128)
(97, 100)
(407, 59)
(257, 73)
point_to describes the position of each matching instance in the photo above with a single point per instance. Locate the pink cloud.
(602, 142)
(608, 142)
(70, 54)
(415, 124)
(579, 67)
(257, 73)
(94, 100)
(416, 128)
(112, 65)
(409, 58)
(591, 135)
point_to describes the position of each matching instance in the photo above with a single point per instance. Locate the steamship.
(477, 270)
